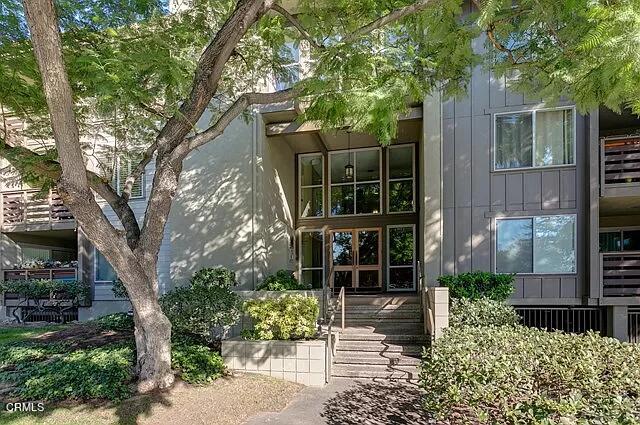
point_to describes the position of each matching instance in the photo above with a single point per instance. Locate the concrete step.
(385, 307)
(386, 328)
(381, 315)
(373, 358)
(380, 347)
(384, 338)
(381, 300)
(376, 321)
(374, 371)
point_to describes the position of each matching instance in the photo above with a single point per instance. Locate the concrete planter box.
(303, 362)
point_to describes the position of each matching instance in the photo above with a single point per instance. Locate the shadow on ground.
(376, 402)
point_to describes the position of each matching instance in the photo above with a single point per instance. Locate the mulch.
(83, 335)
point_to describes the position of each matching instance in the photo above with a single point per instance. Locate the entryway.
(356, 259)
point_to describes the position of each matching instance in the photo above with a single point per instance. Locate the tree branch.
(296, 23)
(138, 170)
(236, 109)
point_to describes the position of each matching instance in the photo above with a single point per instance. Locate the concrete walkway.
(351, 402)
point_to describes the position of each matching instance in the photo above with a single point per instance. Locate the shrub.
(515, 374)
(118, 289)
(204, 308)
(50, 372)
(197, 364)
(481, 312)
(115, 322)
(286, 318)
(283, 280)
(474, 285)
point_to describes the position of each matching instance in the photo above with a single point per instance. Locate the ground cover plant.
(288, 317)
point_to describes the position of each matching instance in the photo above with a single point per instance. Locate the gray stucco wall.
(473, 195)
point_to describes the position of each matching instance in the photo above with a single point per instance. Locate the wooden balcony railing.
(62, 273)
(620, 274)
(620, 162)
(30, 209)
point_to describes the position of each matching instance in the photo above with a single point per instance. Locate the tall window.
(124, 167)
(534, 139)
(359, 194)
(620, 240)
(104, 273)
(543, 244)
(310, 177)
(312, 258)
(401, 271)
(290, 72)
(401, 179)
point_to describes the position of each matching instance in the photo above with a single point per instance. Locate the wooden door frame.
(355, 267)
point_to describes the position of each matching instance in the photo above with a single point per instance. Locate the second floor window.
(124, 166)
(359, 193)
(538, 138)
(311, 194)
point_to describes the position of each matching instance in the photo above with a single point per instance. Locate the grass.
(16, 334)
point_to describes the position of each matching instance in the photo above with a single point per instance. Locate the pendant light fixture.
(348, 169)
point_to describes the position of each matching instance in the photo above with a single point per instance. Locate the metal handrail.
(428, 317)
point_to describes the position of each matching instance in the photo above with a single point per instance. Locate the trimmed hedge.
(288, 317)
(476, 285)
(481, 312)
(518, 375)
(283, 280)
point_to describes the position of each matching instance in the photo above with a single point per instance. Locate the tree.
(151, 75)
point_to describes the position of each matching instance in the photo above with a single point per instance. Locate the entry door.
(356, 258)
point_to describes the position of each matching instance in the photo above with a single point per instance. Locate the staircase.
(383, 338)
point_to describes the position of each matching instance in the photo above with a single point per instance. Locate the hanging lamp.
(348, 169)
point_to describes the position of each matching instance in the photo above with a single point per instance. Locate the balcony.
(620, 273)
(620, 166)
(59, 273)
(30, 210)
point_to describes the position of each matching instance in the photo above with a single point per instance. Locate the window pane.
(368, 279)
(610, 242)
(554, 137)
(367, 165)
(312, 278)
(30, 253)
(342, 200)
(514, 251)
(554, 243)
(368, 247)
(104, 271)
(401, 278)
(368, 198)
(401, 196)
(401, 246)
(311, 170)
(514, 140)
(401, 162)
(338, 162)
(341, 248)
(311, 202)
(342, 278)
(311, 249)
(631, 241)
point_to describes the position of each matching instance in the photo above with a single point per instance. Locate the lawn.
(84, 373)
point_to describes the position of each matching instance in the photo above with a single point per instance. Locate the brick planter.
(303, 362)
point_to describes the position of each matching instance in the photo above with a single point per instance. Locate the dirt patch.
(227, 401)
(83, 335)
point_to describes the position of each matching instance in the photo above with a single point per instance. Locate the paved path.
(351, 402)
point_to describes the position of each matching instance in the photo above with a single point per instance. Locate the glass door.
(356, 259)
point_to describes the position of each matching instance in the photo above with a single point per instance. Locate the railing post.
(342, 305)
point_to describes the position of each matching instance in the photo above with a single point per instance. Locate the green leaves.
(288, 317)
(283, 280)
(477, 285)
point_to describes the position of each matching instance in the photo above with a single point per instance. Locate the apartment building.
(492, 181)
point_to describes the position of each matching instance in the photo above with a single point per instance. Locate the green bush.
(283, 280)
(205, 307)
(115, 322)
(197, 364)
(481, 312)
(51, 373)
(475, 285)
(518, 375)
(285, 318)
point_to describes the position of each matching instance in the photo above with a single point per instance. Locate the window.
(401, 179)
(104, 273)
(620, 240)
(534, 139)
(290, 72)
(312, 258)
(310, 176)
(124, 166)
(359, 194)
(544, 245)
(401, 270)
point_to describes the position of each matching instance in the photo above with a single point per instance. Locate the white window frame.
(533, 112)
(533, 247)
(324, 254)
(354, 183)
(116, 175)
(413, 178)
(312, 186)
(389, 266)
(95, 270)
